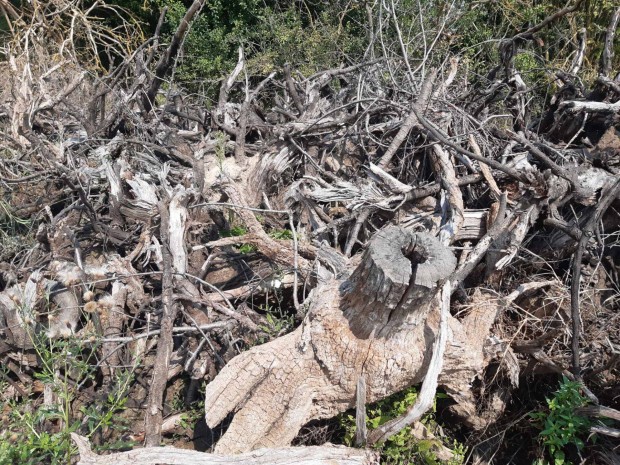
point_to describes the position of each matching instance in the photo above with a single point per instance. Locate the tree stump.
(379, 322)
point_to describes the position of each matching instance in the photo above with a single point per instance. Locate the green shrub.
(561, 425)
(311, 36)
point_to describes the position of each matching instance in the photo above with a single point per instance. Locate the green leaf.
(558, 457)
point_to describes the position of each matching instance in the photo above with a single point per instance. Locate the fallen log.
(317, 455)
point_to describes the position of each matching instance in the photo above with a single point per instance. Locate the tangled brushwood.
(302, 245)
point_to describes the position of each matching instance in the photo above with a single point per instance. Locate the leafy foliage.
(237, 231)
(278, 321)
(402, 448)
(309, 35)
(34, 434)
(312, 35)
(281, 234)
(561, 426)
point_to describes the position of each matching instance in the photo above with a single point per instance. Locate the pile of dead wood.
(399, 226)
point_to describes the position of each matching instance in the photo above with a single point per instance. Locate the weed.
(221, 139)
(403, 448)
(192, 416)
(237, 231)
(561, 425)
(279, 322)
(281, 234)
(246, 248)
(33, 433)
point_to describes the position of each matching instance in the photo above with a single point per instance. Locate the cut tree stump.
(379, 322)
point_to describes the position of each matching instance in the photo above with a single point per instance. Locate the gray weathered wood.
(317, 455)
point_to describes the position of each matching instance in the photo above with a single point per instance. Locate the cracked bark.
(380, 323)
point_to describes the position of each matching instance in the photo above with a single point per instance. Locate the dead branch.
(286, 199)
(587, 232)
(172, 232)
(322, 455)
(411, 120)
(169, 57)
(529, 33)
(608, 49)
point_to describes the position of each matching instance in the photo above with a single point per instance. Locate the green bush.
(561, 426)
(313, 35)
(308, 35)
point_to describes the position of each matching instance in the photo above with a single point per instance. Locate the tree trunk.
(378, 322)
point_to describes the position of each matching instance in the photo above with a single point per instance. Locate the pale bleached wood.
(315, 455)
(380, 321)
(427, 393)
(602, 107)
